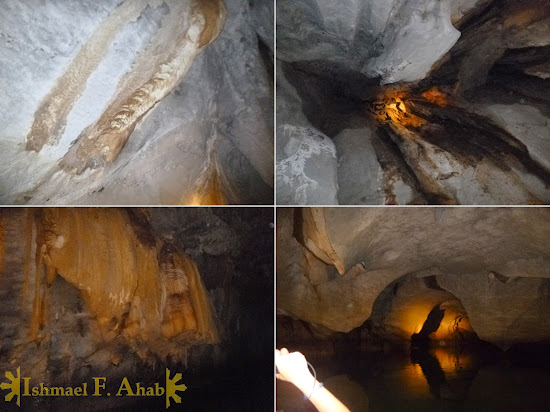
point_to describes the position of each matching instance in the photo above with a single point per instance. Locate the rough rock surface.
(125, 292)
(494, 262)
(306, 158)
(449, 97)
(134, 102)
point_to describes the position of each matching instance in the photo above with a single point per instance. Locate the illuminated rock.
(429, 81)
(419, 36)
(399, 264)
(134, 285)
(410, 305)
(126, 293)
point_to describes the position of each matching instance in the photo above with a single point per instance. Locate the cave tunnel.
(132, 294)
(422, 309)
(413, 102)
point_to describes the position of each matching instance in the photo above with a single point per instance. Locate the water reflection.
(447, 373)
(431, 369)
(439, 379)
(442, 379)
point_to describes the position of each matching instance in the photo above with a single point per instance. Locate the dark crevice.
(482, 16)
(515, 61)
(392, 162)
(332, 95)
(431, 283)
(486, 66)
(267, 59)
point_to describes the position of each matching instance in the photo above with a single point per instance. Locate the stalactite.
(185, 306)
(137, 288)
(312, 232)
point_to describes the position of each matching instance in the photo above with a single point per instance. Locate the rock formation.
(126, 280)
(135, 102)
(413, 102)
(129, 292)
(487, 269)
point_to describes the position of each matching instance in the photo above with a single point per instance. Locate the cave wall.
(133, 285)
(129, 292)
(492, 262)
(145, 102)
(483, 141)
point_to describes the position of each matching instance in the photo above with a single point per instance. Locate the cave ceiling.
(336, 265)
(413, 102)
(136, 102)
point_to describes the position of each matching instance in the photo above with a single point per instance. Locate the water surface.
(432, 380)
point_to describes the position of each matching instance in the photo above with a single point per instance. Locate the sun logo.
(171, 388)
(15, 386)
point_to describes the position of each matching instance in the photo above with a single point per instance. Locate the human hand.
(292, 367)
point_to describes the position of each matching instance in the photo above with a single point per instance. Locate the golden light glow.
(435, 96)
(391, 107)
(209, 192)
(136, 286)
(450, 361)
(411, 320)
(412, 381)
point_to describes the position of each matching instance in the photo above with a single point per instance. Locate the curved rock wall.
(361, 78)
(485, 258)
(126, 107)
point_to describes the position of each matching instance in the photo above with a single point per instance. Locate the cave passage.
(419, 309)
(470, 127)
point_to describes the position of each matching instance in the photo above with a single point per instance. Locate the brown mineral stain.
(146, 85)
(214, 13)
(435, 96)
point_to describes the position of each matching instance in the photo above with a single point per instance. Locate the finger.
(284, 351)
(280, 377)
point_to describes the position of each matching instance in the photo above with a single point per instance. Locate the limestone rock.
(477, 260)
(423, 80)
(130, 292)
(504, 311)
(306, 158)
(131, 105)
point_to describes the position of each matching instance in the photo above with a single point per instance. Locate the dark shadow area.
(332, 95)
(422, 338)
(431, 368)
